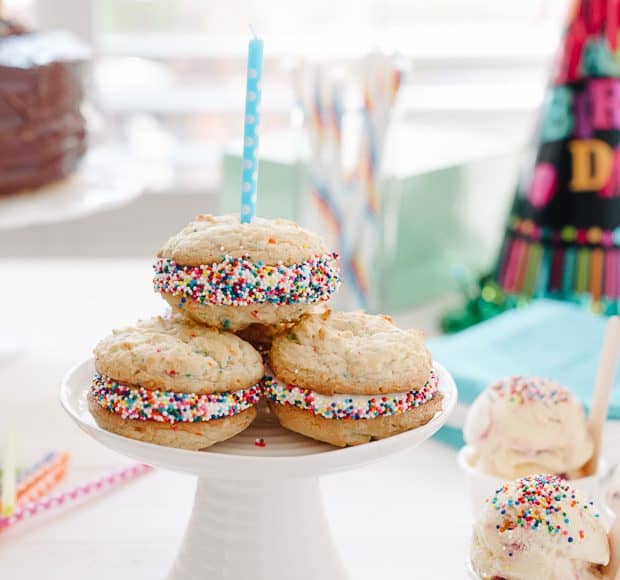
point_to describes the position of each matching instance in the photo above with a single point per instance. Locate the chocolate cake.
(42, 130)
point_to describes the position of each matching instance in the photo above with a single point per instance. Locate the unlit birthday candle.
(78, 493)
(43, 478)
(9, 476)
(249, 177)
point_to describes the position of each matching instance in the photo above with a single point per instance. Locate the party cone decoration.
(563, 234)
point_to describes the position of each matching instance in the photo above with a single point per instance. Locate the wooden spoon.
(602, 390)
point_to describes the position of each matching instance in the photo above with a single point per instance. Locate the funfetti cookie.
(174, 382)
(229, 275)
(347, 378)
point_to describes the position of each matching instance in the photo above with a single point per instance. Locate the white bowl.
(481, 485)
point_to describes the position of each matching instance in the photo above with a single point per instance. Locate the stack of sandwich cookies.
(347, 378)
(229, 275)
(176, 383)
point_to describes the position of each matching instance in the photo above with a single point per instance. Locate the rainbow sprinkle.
(168, 406)
(350, 406)
(241, 282)
(522, 390)
(539, 502)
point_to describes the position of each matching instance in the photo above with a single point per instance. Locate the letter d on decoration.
(592, 162)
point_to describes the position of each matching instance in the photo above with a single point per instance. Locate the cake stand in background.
(258, 511)
(106, 178)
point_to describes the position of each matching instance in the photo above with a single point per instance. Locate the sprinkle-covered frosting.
(523, 390)
(241, 282)
(541, 504)
(349, 406)
(168, 406)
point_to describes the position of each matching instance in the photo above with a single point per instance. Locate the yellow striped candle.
(9, 477)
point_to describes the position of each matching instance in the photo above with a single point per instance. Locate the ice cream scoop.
(539, 527)
(524, 425)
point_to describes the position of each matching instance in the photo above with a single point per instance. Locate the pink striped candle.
(63, 498)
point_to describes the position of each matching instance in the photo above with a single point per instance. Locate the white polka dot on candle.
(251, 96)
(249, 141)
(247, 164)
(250, 119)
(252, 73)
(246, 186)
(245, 209)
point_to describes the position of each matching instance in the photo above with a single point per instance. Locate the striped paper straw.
(70, 496)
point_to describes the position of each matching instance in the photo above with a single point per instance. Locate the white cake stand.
(258, 511)
(106, 178)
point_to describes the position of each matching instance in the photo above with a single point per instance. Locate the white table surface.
(404, 518)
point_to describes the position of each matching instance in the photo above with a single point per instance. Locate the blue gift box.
(556, 340)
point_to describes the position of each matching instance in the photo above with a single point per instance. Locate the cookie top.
(178, 355)
(351, 353)
(209, 238)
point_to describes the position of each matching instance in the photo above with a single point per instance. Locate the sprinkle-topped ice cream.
(170, 407)
(539, 527)
(350, 406)
(241, 282)
(524, 425)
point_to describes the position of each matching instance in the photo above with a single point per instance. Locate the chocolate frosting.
(42, 130)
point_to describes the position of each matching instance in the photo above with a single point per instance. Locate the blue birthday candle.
(249, 176)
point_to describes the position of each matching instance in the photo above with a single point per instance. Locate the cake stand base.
(258, 529)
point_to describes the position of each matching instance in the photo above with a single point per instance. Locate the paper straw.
(9, 477)
(604, 382)
(70, 496)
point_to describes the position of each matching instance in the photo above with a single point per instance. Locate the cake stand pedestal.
(258, 511)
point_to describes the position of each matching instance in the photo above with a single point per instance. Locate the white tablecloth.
(405, 518)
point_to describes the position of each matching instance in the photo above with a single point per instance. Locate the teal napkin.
(556, 340)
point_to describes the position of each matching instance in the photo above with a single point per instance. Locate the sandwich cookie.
(176, 383)
(229, 275)
(347, 378)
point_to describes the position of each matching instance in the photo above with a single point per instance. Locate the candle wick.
(253, 31)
